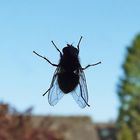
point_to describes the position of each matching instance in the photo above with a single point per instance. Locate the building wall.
(73, 128)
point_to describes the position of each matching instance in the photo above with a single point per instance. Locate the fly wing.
(55, 94)
(80, 94)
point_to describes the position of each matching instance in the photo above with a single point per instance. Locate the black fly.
(68, 77)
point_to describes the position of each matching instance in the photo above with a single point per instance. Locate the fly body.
(68, 77)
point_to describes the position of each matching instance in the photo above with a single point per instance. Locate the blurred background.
(111, 34)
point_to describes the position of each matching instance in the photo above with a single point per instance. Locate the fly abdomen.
(68, 81)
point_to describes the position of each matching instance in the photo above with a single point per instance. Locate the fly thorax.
(69, 63)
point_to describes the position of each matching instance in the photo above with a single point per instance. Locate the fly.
(68, 77)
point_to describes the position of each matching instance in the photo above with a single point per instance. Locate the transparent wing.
(80, 94)
(55, 94)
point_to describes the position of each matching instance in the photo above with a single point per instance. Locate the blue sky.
(107, 27)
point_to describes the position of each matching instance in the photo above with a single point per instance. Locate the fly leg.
(79, 43)
(91, 65)
(57, 48)
(45, 59)
(82, 96)
(48, 89)
(53, 79)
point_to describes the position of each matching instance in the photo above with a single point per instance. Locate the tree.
(129, 91)
(125, 133)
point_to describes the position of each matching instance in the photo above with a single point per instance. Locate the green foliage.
(125, 133)
(129, 92)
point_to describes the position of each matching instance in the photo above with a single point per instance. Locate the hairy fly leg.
(82, 95)
(53, 79)
(91, 65)
(45, 59)
(57, 48)
(78, 45)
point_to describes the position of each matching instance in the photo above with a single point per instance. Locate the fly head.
(70, 50)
